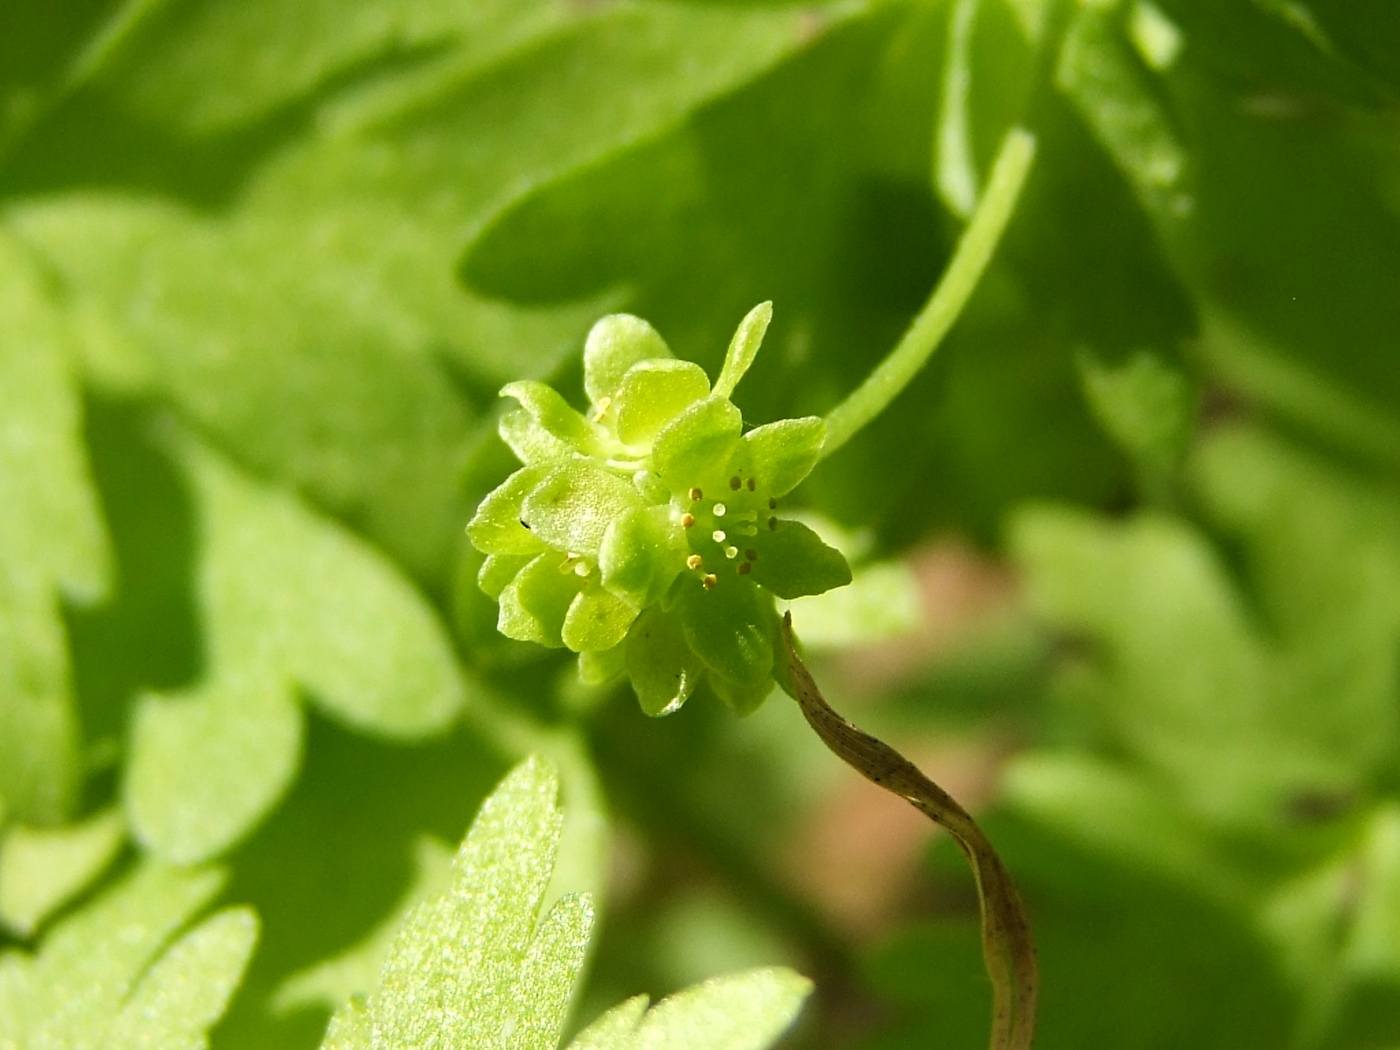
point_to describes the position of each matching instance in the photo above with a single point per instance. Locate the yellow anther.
(734, 483)
(710, 581)
(720, 510)
(731, 552)
(602, 411)
(718, 536)
(687, 520)
(694, 561)
(696, 494)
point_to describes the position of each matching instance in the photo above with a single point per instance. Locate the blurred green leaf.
(288, 600)
(121, 973)
(42, 869)
(52, 542)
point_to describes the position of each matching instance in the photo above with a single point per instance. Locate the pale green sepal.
(602, 667)
(793, 562)
(743, 348)
(695, 446)
(571, 508)
(615, 344)
(597, 620)
(515, 621)
(498, 570)
(545, 589)
(530, 441)
(723, 626)
(496, 526)
(779, 455)
(555, 415)
(640, 555)
(741, 699)
(41, 869)
(653, 393)
(663, 668)
(350, 1027)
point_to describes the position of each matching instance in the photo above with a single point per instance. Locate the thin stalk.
(1007, 946)
(974, 251)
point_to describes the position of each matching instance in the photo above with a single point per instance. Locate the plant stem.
(974, 251)
(1007, 946)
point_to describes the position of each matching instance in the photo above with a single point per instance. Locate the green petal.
(696, 445)
(794, 562)
(741, 699)
(726, 628)
(498, 570)
(597, 620)
(572, 507)
(496, 527)
(641, 555)
(538, 599)
(602, 667)
(781, 454)
(555, 415)
(614, 345)
(530, 441)
(743, 348)
(663, 668)
(653, 393)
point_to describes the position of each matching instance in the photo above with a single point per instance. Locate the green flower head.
(645, 534)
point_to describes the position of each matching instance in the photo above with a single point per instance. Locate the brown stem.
(1007, 945)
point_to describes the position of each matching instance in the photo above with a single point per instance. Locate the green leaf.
(113, 974)
(496, 528)
(1145, 592)
(266, 334)
(742, 1011)
(206, 766)
(654, 392)
(42, 869)
(1145, 406)
(51, 542)
(663, 669)
(1105, 81)
(793, 561)
(485, 965)
(570, 509)
(694, 448)
(287, 599)
(779, 455)
(640, 555)
(743, 348)
(614, 345)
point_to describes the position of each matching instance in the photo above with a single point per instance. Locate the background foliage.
(264, 265)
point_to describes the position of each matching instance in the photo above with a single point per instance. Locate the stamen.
(745, 530)
(744, 568)
(734, 483)
(752, 485)
(773, 503)
(718, 536)
(720, 510)
(603, 406)
(773, 524)
(582, 568)
(751, 554)
(731, 552)
(710, 581)
(687, 520)
(694, 561)
(696, 494)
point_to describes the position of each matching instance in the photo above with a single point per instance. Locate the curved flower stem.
(1007, 946)
(974, 251)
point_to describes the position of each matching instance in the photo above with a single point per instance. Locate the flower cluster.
(645, 533)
